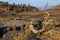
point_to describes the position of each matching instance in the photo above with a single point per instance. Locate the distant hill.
(17, 8)
(56, 7)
